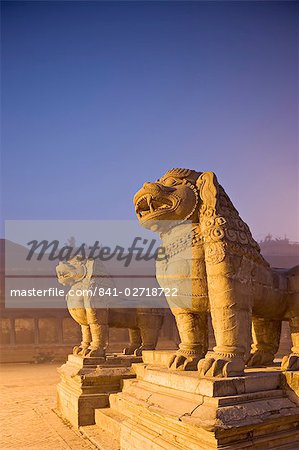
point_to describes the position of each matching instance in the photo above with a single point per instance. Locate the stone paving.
(28, 394)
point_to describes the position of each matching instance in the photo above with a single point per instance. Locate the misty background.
(98, 97)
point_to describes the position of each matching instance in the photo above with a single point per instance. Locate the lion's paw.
(80, 350)
(290, 362)
(183, 362)
(260, 358)
(139, 350)
(76, 349)
(129, 350)
(214, 366)
(95, 353)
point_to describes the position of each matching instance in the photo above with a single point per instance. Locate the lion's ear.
(208, 188)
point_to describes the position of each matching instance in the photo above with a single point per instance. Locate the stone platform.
(163, 409)
(85, 384)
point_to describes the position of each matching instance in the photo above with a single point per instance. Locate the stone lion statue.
(208, 245)
(94, 316)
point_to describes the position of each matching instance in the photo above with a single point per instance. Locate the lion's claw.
(80, 350)
(76, 350)
(129, 350)
(84, 352)
(139, 350)
(96, 353)
(183, 362)
(260, 358)
(87, 352)
(220, 367)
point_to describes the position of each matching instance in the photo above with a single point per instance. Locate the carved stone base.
(87, 382)
(163, 409)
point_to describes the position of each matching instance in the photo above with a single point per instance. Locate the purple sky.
(99, 97)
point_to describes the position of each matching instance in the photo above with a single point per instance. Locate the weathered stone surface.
(157, 357)
(213, 262)
(167, 409)
(87, 382)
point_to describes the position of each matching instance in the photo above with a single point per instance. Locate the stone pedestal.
(87, 382)
(163, 409)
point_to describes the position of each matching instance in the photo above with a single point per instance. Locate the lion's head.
(71, 271)
(186, 195)
(175, 197)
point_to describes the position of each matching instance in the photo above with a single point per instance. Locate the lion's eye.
(171, 182)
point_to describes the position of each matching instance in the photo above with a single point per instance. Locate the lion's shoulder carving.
(224, 231)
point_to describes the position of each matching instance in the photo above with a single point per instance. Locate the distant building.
(285, 254)
(280, 252)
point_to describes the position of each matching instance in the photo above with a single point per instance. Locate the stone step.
(161, 410)
(160, 419)
(138, 400)
(147, 428)
(136, 436)
(100, 438)
(253, 381)
(127, 433)
(154, 417)
(133, 436)
(138, 410)
(170, 432)
(147, 395)
(142, 389)
(110, 420)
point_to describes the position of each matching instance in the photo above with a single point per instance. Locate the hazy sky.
(99, 97)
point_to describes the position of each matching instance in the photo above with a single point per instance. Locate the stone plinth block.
(87, 382)
(167, 409)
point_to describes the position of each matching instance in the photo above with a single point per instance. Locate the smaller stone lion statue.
(83, 276)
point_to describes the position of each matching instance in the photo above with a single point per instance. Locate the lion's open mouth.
(147, 204)
(63, 276)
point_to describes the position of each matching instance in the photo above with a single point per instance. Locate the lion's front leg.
(98, 324)
(82, 349)
(231, 306)
(79, 315)
(193, 330)
(149, 324)
(135, 341)
(266, 339)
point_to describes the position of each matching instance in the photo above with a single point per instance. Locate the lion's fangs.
(151, 204)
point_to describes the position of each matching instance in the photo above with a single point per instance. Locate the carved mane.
(220, 226)
(224, 231)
